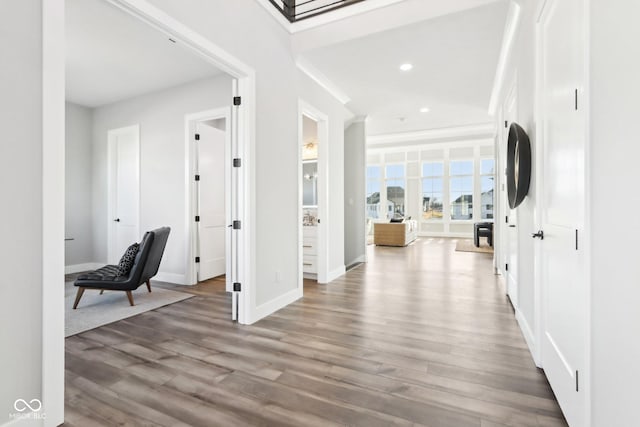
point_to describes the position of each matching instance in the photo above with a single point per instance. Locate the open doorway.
(313, 195)
(127, 97)
(208, 140)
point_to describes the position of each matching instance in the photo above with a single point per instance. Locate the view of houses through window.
(432, 190)
(456, 183)
(461, 189)
(395, 184)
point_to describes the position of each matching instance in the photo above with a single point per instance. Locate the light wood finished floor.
(421, 335)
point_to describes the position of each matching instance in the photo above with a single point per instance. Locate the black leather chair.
(483, 229)
(145, 266)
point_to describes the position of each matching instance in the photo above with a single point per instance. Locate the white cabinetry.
(310, 250)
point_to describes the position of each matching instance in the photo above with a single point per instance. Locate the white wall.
(78, 179)
(355, 245)
(250, 33)
(312, 93)
(161, 116)
(615, 270)
(21, 192)
(521, 72)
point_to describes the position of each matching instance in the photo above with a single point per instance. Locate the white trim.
(79, 268)
(334, 274)
(479, 131)
(445, 234)
(324, 82)
(190, 277)
(276, 304)
(358, 260)
(529, 337)
(176, 279)
(326, 18)
(53, 211)
(510, 32)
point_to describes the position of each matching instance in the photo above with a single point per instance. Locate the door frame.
(190, 189)
(506, 235)
(306, 109)
(112, 134)
(585, 238)
(53, 106)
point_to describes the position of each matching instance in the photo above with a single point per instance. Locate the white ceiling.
(112, 56)
(454, 57)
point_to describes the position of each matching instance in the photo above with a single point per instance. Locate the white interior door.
(563, 204)
(511, 215)
(124, 190)
(212, 200)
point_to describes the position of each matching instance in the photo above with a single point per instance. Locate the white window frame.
(383, 197)
(480, 176)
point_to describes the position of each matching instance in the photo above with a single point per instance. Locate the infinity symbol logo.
(21, 405)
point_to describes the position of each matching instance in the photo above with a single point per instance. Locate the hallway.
(419, 335)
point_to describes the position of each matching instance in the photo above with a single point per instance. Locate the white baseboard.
(451, 235)
(361, 258)
(78, 268)
(334, 274)
(276, 304)
(176, 279)
(529, 337)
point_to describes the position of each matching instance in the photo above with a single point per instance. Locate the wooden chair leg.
(149, 285)
(130, 296)
(78, 296)
(101, 291)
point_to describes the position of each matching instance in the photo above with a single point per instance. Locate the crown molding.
(480, 131)
(317, 76)
(510, 31)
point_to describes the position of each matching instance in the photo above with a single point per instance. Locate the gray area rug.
(97, 310)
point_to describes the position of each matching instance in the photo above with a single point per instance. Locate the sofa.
(395, 234)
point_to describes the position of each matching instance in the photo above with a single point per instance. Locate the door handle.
(117, 220)
(512, 226)
(539, 234)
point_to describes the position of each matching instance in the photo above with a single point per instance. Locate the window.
(487, 183)
(432, 190)
(374, 182)
(394, 175)
(461, 185)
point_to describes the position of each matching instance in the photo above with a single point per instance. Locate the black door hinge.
(237, 287)
(576, 102)
(237, 100)
(197, 259)
(197, 218)
(237, 163)
(197, 178)
(197, 137)
(506, 124)
(506, 219)
(577, 382)
(237, 225)
(506, 267)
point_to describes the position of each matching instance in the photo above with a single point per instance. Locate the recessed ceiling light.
(406, 67)
(424, 110)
